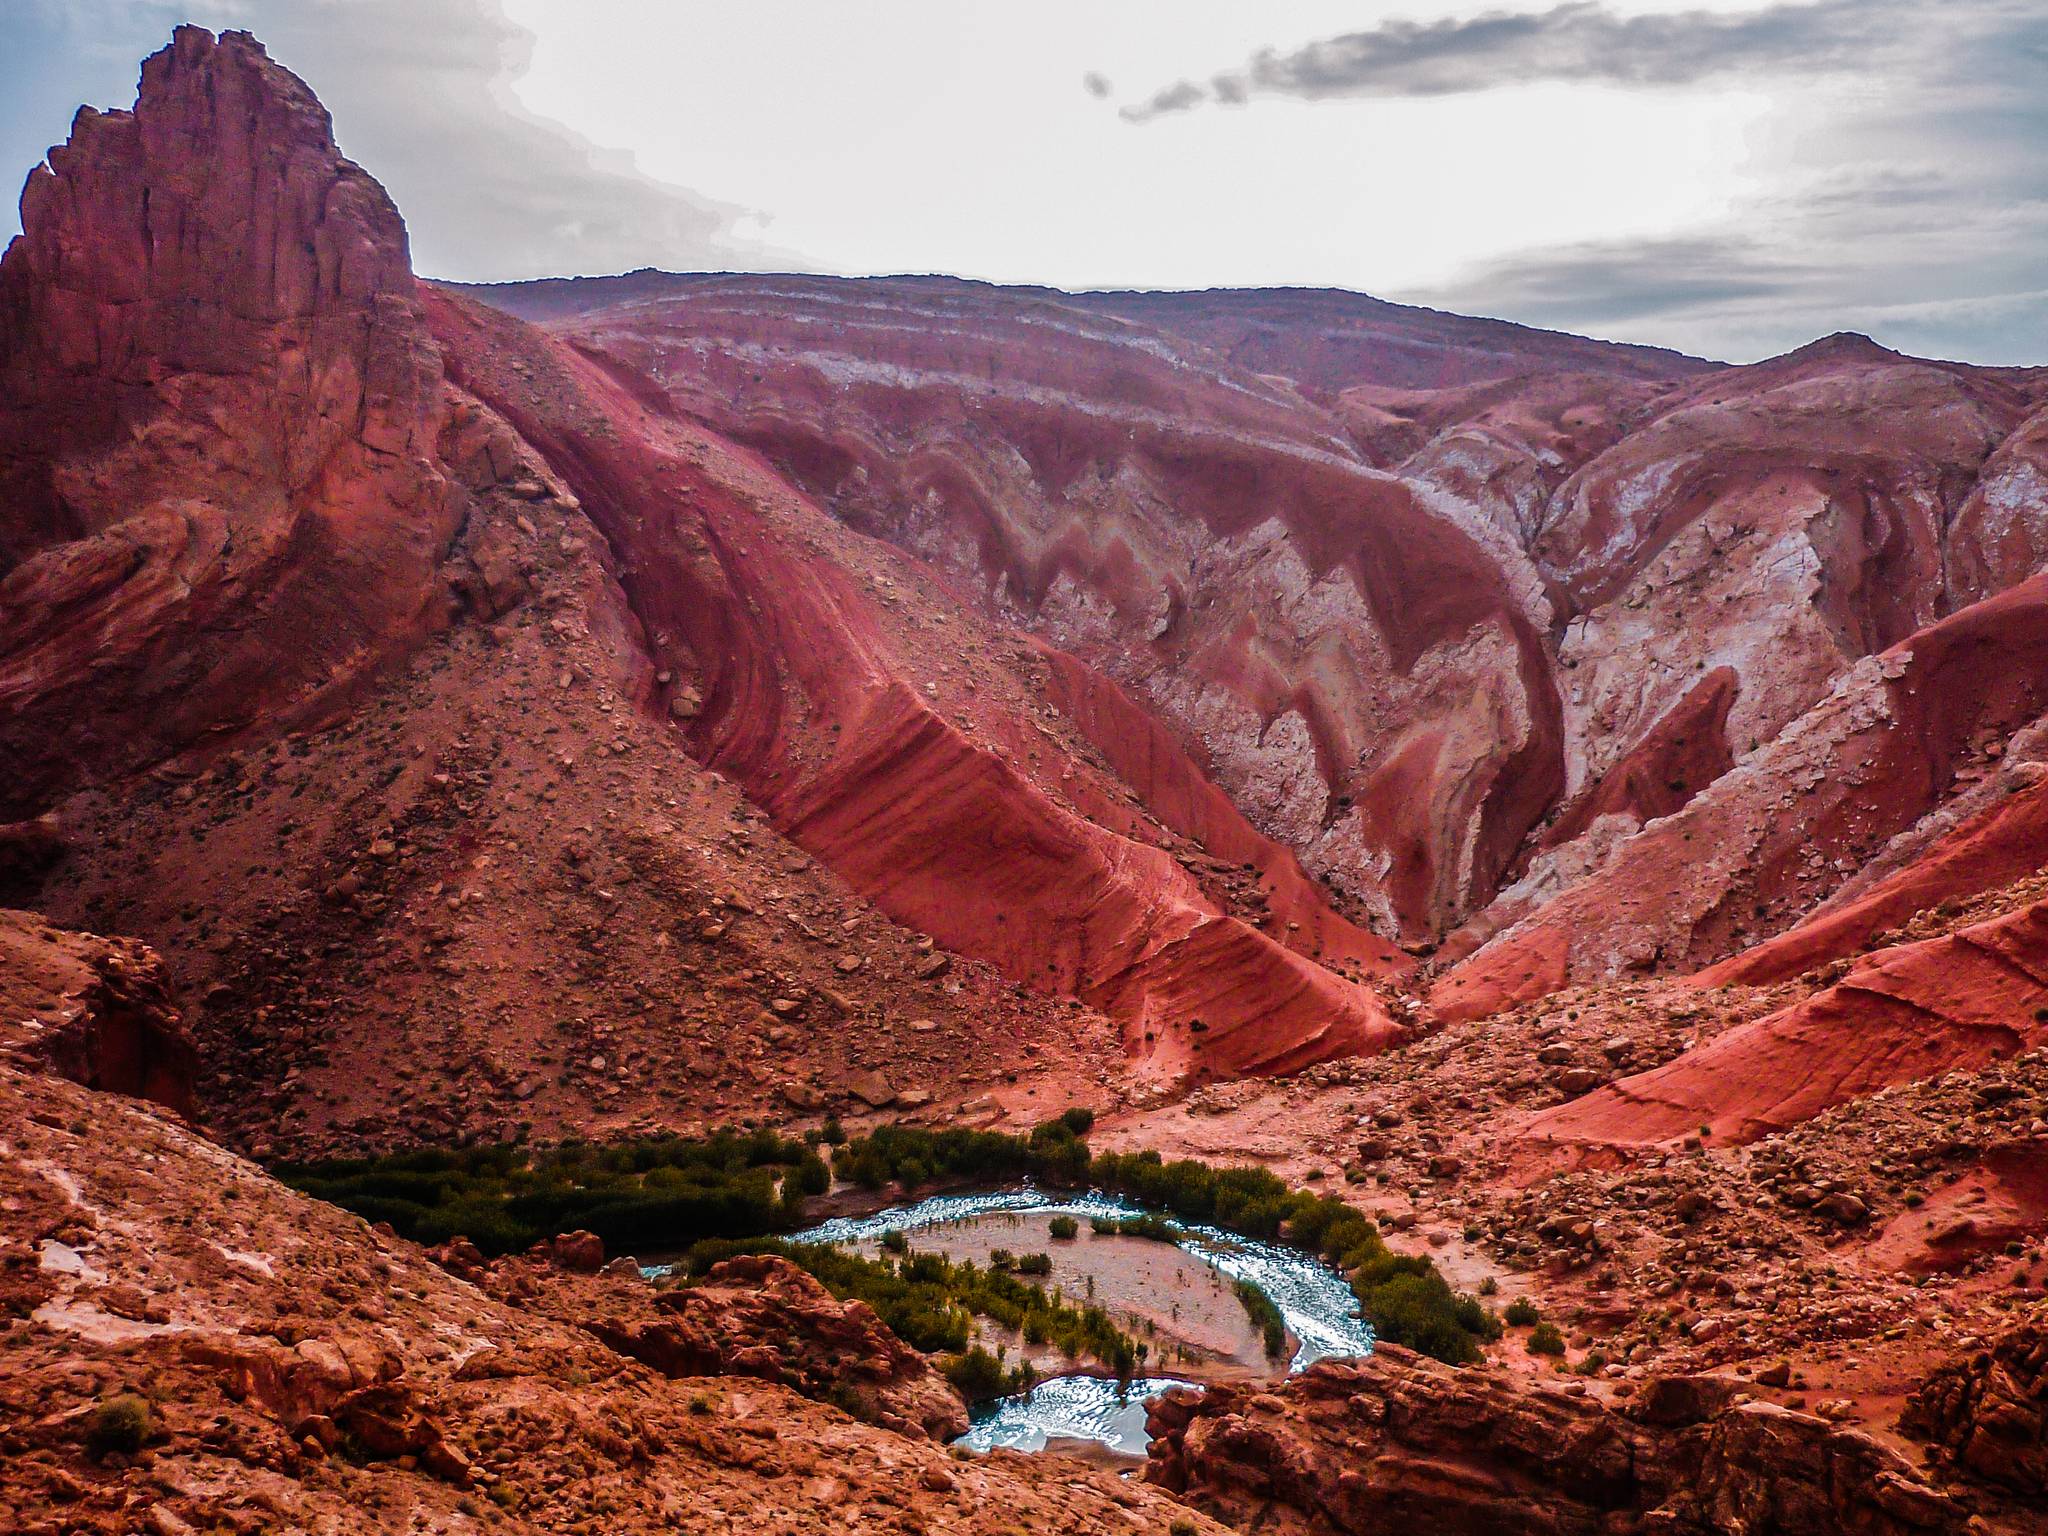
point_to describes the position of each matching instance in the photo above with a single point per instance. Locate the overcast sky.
(1724, 176)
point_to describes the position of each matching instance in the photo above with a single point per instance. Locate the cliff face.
(217, 412)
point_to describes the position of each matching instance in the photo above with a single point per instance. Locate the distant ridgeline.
(735, 1191)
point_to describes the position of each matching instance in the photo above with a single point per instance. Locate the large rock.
(95, 1010)
(762, 1316)
(1987, 1413)
(1399, 1442)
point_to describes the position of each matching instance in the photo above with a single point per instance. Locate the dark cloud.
(1931, 276)
(420, 91)
(1096, 84)
(1583, 40)
(1899, 188)
(1611, 283)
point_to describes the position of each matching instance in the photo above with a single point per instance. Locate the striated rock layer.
(1905, 1013)
(1467, 637)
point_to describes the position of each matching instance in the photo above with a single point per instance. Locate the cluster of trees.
(1020, 1263)
(979, 1374)
(646, 1193)
(930, 1301)
(1404, 1296)
(914, 1156)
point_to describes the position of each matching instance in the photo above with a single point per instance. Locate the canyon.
(1583, 804)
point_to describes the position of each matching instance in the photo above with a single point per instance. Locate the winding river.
(1320, 1311)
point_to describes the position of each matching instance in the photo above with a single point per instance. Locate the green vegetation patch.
(656, 1192)
(1258, 1306)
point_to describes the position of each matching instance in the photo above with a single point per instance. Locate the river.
(1317, 1303)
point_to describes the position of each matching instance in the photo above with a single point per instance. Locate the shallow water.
(1073, 1407)
(1315, 1300)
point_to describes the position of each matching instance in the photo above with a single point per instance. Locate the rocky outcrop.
(217, 411)
(1987, 1413)
(1397, 1441)
(1895, 737)
(764, 1317)
(1906, 1013)
(95, 1010)
(1986, 840)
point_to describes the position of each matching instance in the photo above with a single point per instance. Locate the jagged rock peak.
(222, 189)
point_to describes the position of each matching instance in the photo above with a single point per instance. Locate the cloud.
(1580, 41)
(421, 92)
(1096, 84)
(1936, 271)
(1614, 282)
(1898, 186)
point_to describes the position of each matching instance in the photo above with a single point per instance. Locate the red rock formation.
(1352, 663)
(1581, 660)
(1890, 743)
(791, 674)
(764, 1317)
(1397, 1441)
(217, 407)
(1988, 1413)
(1905, 1013)
(1455, 647)
(2001, 843)
(95, 1010)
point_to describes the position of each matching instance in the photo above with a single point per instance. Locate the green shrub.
(1064, 1228)
(1265, 1317)
(1155, 1228)
(122, 1423)
(1034, 1263)
(1522, 1313)
(977, 1373)
(1544, 1339)
(896, 1241)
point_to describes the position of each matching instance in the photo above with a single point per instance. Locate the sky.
(1729, 177)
